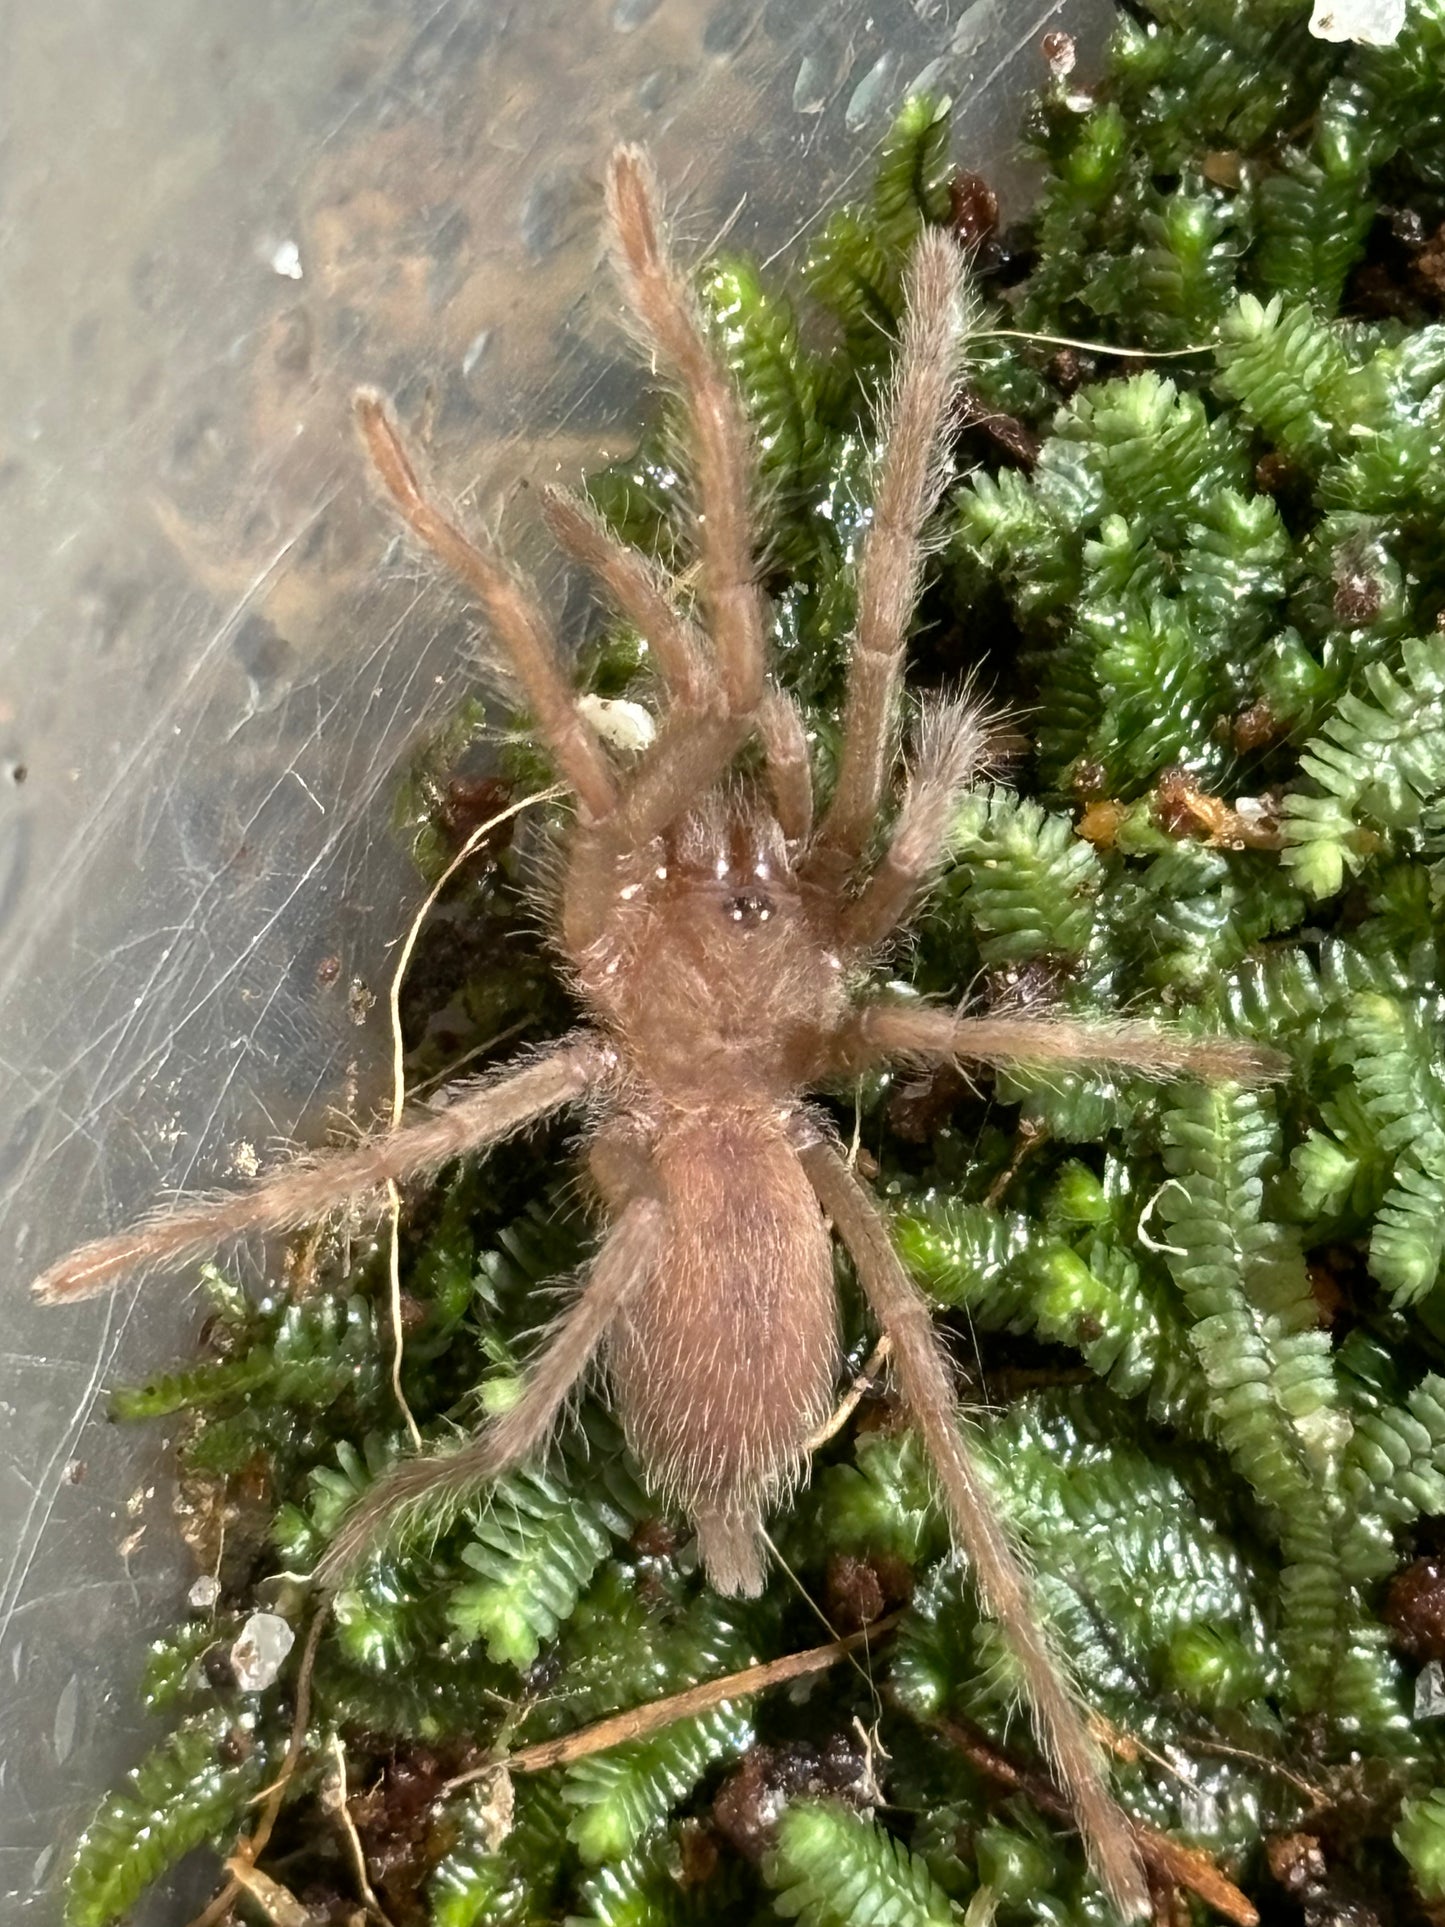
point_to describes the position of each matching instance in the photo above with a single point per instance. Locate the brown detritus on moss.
(750, 1802)
(1414, 1608)
(658, 1714)
(1088, 779)
(1223, 167)
(466, 803)
(1100, 824)
(1006, 432)
(1256, 728)
(1326, 1896)
(1179, 807)
(698, 1856)
(1184, 810)
(1358, 594)
(974, 213)
(1169, 1864)
(1029, 1137)
(396, 1817)
(654, 1538)
(1069, 368)
(1328, 1292)
(1276, 474)
(858, 1590)
(919, 1107)
(1429, 265)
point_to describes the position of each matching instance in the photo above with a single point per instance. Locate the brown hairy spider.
(721, 942)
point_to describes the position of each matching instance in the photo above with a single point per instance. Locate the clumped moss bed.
(1209, 1322)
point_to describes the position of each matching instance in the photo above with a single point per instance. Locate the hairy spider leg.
(639, 591)
(659, 298)
(446, 1480)
(481, 1113)
(876, 1033)
(788, 768)
(910, 482)
(950, 742)
(697, 742)
(517, 623)
(926, 1382)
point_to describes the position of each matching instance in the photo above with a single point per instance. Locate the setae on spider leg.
(950, 743)
(912, 477)
(433, 1486)
(717, 703)
(639, 592)
(482, 1112)
(785, 759)
(880, 1031)
(515, 618)
(926, 1382)
(660, 299)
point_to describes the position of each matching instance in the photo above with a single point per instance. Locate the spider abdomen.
(724, 1362)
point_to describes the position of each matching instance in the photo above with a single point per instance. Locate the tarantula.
(720, 940)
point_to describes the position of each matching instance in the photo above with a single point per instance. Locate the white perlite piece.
(204, 1594)
(1374, 23)
(1430, 1692)
(260, 1651)
(626, 726)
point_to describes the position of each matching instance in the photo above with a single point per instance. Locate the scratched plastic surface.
(215, 220)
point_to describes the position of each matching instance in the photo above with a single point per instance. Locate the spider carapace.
(721, 941)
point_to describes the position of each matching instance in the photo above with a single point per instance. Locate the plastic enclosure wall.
(215, 221)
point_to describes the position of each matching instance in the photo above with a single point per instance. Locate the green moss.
(1219, 1316)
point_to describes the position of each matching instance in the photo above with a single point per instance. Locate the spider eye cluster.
(748, 908)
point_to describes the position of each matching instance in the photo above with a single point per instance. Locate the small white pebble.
(260, 1651)
(1430, 1692)
(204, 1594)
(1374, 23)
(286, 261)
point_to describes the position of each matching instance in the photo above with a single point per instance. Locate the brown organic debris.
(752, 1799)
(1429, 264)
(857, 1592)
(1256, 728)
(657, 1714)
(1358, 596)
(1326, 1897)
(1169, 1863)
(1011, 436)
(1415, 1608)
(1184, 810)
(974, 209)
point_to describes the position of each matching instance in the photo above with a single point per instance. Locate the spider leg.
(950, 743)
(690, 753)
(910, 482)
(660, 299)
(717, 704)
(880, 1031)
(516, 621)
(926, 1382)
(639, 592)
(677, 647)
(785, 760)
(442, 1481)
(483, 1112)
